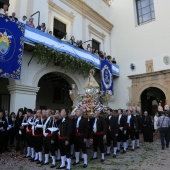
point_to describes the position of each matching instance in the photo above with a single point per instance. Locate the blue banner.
(106, 76)
(11, 47)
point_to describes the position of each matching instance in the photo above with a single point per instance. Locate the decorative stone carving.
(149, 66)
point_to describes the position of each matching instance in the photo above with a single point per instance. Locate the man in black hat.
(98, 129)
(80, 129)
(112, 132)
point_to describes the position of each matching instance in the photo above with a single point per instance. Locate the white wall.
(136, 44)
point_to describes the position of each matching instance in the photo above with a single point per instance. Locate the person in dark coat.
(7, 131)
(12, 130)
(98, 131)
(112, 132)
(3, 127)
(80, 129)
(122, 119)
(65, 129)
(132, 126)
(19, 130)
(147, 127)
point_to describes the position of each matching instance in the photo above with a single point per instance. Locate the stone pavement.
(148, 157)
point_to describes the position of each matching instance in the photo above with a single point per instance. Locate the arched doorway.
(4, 94)
(149, 95)
(54, 92)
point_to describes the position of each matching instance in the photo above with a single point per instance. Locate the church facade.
(135, 32)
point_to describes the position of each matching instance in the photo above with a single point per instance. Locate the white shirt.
(119, 118)
(128, 118)
(2, 12)
(63, 120)
(78, 120)
(95, 124)
(24, 22)
(110, 117)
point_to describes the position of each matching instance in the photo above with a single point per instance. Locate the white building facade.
(121, 29)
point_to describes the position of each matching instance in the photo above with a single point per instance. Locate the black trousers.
(130, 134)
(98, 143)
(6, 138)
(137, 134)
(2, 142)
(121, 136)
(48, 146)
(12, 136)
(29, 139)
(38, 143)
(79, 144)
(148, 133)
(64, 149)
(111, 137)
(164, 134)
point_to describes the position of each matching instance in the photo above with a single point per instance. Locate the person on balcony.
(89, 48)
(30, 23)
(23, 20)
(13, 17)
(113, 61)
(42, 27)
(72, 41)
(96, 53)
(4, 10)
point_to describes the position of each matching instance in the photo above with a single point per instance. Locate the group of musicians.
(58, 137)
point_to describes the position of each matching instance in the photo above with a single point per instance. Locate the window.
(145, 10)
(59, 29)
(2, 2)
(95, 45)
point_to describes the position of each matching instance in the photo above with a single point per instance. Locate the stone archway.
(150, 96)
(160, 80)
(54, 91)
(71, 78)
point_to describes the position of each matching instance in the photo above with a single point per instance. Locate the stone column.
(22, 96)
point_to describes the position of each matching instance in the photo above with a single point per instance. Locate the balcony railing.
(33, 35)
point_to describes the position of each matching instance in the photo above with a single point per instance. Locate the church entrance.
(54, 92)
(151, 96)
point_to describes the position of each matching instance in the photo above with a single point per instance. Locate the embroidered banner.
(11, 47)
(106, 76)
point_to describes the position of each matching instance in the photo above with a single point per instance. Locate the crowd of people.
(62, 137)
(42, 27)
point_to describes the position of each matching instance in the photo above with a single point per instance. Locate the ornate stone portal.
(160, 79)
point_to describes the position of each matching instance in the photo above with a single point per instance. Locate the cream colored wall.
(77, 24)
(101, 7)
(136, 44)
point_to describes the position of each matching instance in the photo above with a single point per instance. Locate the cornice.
(86, 11)
(153, 74)
(59, 10)
(96, 32)
(23, 89)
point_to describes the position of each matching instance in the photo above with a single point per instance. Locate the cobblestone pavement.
(148, 157)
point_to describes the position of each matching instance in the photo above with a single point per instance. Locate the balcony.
(36, 36)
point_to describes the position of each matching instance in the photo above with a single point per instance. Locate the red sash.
(99, 133)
